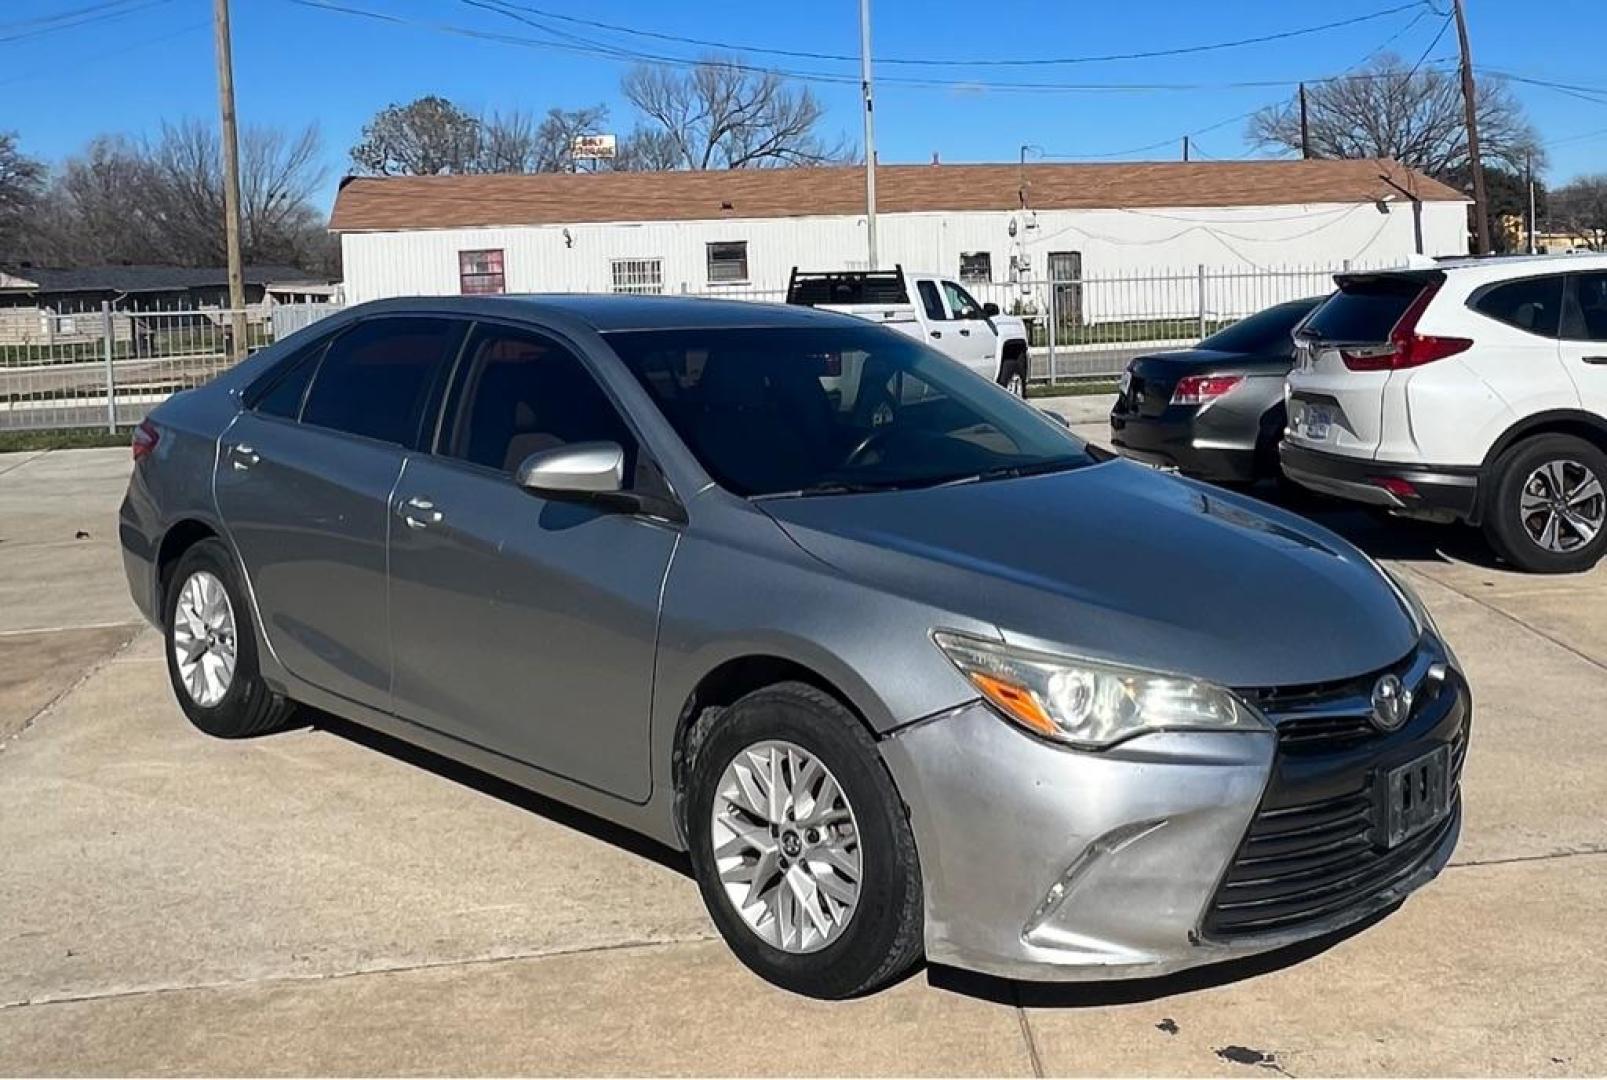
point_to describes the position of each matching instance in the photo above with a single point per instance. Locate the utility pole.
(1470, 110)
(1528, 168)
(1185, 148)
(870, 134)
(231, 179)
(1305, 127)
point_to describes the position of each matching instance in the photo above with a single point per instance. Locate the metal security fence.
(107, 368)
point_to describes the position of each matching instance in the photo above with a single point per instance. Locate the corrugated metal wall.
(580, 258)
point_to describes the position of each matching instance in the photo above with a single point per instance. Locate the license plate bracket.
(1415, 797)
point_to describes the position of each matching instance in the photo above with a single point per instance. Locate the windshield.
(803, 410)
(1269, 331)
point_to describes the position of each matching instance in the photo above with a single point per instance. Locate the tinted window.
(1533, 304)
(777, 410)
(522, 393)
(288, 385)
(1364, 310)
(932, 301)
(1587, 319)
(378, 376)
(1264, 333)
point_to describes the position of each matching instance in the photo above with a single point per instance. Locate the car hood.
(1119, 562)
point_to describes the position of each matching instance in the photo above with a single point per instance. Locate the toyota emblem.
(1392, 703)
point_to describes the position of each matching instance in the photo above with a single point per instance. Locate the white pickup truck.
(942, 315)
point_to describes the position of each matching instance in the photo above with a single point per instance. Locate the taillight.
(1407, 348)
(145, 439)
(1199, 389)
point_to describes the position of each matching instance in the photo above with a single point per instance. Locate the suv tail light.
(1199, 389)
(1407, 348)
(145, 439)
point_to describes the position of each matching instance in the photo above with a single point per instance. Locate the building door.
(1065, 277)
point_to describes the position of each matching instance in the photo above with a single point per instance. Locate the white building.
(741, 232)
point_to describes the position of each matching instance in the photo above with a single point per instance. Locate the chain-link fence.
(105, 367)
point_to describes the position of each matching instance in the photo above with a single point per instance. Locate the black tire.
(247, 707)
(883, 937)
(1503, 519)
(1011, 369)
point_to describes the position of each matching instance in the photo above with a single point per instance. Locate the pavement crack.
(332, 976)
(1033, 1056)
(1547, 857)
(88, 673)
(1525, 623)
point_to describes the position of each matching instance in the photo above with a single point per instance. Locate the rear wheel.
(211, 651)
(1548, 510)
(801, 847)
(1013, 376)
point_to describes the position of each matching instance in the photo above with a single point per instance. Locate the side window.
(932, 301)
(960, 302)
(1587, 313)
(376, 379)
(1533, 304)
(522, 393)
(288, 385)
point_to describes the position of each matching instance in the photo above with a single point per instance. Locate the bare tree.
(648, 149)
(427, 137)
(22, 181)
(516, 143)
(721, 115)
(1580, 207)
(1413, 116)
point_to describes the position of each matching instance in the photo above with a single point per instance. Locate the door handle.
(937, 333)
(242, 457)
(1596, 359)
(419, 513)
(965, 333)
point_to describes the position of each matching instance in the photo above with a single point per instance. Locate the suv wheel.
(801, 847)
(211, 652)
(1548, 511)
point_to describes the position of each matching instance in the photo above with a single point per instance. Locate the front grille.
(1313, 850)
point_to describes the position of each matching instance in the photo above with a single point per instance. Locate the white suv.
(1472, 390)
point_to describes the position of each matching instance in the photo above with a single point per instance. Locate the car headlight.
(1090, 704)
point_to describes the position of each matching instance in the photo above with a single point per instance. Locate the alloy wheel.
(786, 845)
(1562, 506)
(204, 642)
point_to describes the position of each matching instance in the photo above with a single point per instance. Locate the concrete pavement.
(325, 901)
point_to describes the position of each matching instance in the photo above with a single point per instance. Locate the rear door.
(522, 624)
(304, 482)
(1584, 339)
(1336, 388)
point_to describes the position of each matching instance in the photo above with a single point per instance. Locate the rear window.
(1265, 332)
(1364, 310)
(1533, 304)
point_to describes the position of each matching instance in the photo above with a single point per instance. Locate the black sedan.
(1214, 411)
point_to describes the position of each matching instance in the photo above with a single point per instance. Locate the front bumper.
(1045, 863)
(1436, 490)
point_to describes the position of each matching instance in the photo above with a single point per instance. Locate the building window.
(728, 263)
(480, 273)
(976, 266)
(638, 275)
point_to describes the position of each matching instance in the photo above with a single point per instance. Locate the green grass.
(63, 439)
(1080, 388)
(1120, 333)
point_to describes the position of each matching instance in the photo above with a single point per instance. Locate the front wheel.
(1013, 377)
(801, 847)
(1548, 511)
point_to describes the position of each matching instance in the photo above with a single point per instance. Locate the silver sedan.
(904, 665)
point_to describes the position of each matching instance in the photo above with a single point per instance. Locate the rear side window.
(1587, 315)
(931, 301)
(1533, 304)
(289, 384)
(1364, 310)
(377, 378)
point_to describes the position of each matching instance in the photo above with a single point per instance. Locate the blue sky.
(296, 64)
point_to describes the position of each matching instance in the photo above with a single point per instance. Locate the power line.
(800, 54)
(103, 12)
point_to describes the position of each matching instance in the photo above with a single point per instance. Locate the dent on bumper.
(1047, 863)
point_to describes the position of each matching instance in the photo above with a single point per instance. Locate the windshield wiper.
(847, 487)
(1013, 472)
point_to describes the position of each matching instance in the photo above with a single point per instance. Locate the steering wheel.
(870, 442)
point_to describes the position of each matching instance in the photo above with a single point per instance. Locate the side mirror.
(990, 310)
(592, 468)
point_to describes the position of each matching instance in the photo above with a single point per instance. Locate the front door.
(524, 625)
(980, 342)
(304, 481)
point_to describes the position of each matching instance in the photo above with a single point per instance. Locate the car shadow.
(1102, 993)
(559, 813)
(1380, 535)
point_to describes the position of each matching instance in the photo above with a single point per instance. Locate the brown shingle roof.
(440, 202)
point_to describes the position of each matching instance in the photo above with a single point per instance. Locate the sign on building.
(592, 147)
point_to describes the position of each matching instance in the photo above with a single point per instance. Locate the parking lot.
(326, 901)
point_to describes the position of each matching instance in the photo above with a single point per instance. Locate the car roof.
(606, 312)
